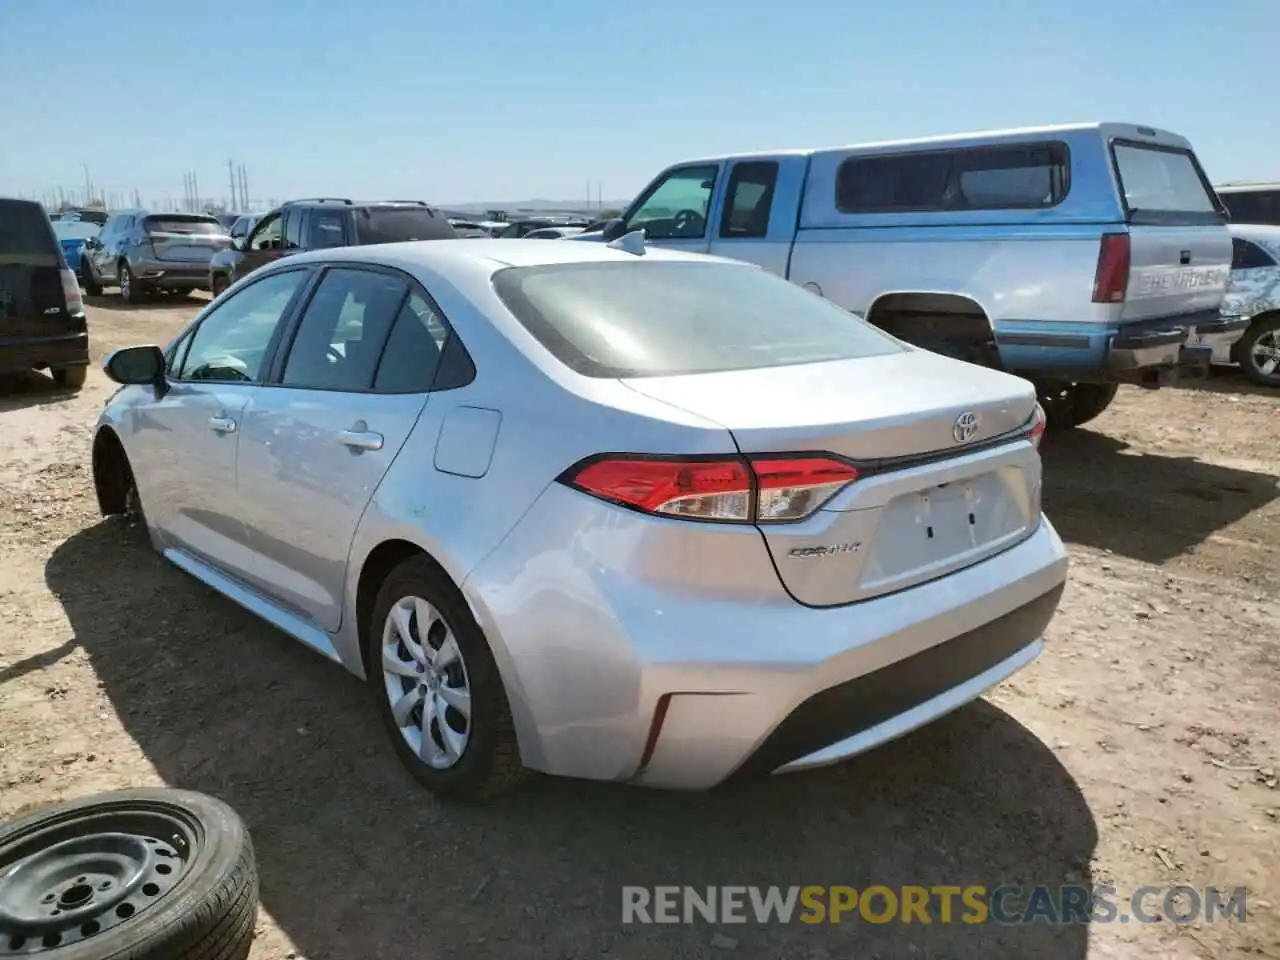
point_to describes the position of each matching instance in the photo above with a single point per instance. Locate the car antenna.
(632, 242)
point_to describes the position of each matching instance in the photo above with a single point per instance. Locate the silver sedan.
(593, 510)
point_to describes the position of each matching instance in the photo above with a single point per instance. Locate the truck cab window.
(676, 207)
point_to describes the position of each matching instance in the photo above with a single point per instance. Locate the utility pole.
(244, 186)
(88, 186)
(232, 201)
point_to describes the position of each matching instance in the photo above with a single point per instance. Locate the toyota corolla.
(593, 510)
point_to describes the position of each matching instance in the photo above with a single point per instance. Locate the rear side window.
(176, 223)
(1164, 185)
(1019, 177)
(1253, 206)
(25, 230)
(413, 350)
(325, 229)
(342, 333)
(1248, 256)
(397, 224)
(654, 319)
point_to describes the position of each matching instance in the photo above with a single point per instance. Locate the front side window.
(232, 341)
(677, 207)
(268, 234)
(653, 319)
(343, 331)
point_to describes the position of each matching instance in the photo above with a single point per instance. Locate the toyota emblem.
(965, 427)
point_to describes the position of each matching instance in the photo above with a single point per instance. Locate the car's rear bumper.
(173, 275)
(1149, 351)
(18, 354)
(619, 675)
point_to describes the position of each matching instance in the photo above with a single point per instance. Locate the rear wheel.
(1259, 351)
(437, 686)
(1068, 404)
(72, 378)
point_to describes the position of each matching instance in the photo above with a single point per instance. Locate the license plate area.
(929, 531)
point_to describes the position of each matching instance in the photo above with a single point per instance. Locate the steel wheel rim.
(1265, 354)
(426, 682)
(73, 881)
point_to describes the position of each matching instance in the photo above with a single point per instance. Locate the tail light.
(1035, 429)
(71, 291)
(1112, 275)
(764, 489)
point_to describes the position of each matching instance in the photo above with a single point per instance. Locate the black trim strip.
(1069, 341)
(849, 708)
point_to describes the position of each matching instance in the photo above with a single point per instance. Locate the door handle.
(360, 439)
(222, 425)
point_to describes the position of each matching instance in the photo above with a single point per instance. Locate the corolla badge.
(827, 550)
(966, 427)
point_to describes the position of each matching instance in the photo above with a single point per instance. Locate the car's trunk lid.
(938, 490)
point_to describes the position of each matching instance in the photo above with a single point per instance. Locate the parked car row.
(1080, 257)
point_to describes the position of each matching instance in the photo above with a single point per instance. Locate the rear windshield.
(396, 224)
(170, 224)
(1164, 185)
(1253, 206)
(661, 319)
(25, 229)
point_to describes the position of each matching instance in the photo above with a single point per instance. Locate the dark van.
(42, 322)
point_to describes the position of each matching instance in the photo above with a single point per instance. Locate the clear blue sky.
(457, 100)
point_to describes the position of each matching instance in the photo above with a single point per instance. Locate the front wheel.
(220, 282)
(1068, 404)
(437, 686)
(1259, 352)
(87, 280)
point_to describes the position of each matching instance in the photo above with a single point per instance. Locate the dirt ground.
(1141, 749)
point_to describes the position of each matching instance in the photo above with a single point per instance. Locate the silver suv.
(144, 253)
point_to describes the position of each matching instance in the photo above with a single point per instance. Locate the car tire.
(130, 289)
(155, 874)
(488, 762)
(1068, 404)
(1262, 337)
(87, 280)
(220, 282)
(70, 378)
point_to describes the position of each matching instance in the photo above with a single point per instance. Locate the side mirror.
(136, 365)
(237, 243)
(614, 228)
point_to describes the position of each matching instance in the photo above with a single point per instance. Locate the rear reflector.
(729, 490)
(1038, 422)
(71, 291)
(1112, 275)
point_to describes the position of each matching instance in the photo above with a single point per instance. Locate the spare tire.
(152, 874)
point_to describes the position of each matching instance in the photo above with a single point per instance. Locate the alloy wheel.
(1265, 354)
(426, 682)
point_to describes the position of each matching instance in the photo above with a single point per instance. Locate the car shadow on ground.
(1146, 506)
(1228, 380)
(356, 860)
(114, 302)
(30, 388)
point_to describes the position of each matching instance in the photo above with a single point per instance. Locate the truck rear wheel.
(1068, 404)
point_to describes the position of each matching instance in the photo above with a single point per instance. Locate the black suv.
(42, 321)
(301, 225)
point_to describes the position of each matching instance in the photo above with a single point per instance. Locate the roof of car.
(493, 254)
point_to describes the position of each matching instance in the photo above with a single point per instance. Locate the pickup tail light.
(763, 489)
(71, 291)
(1112, 275)
(1035, 428)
